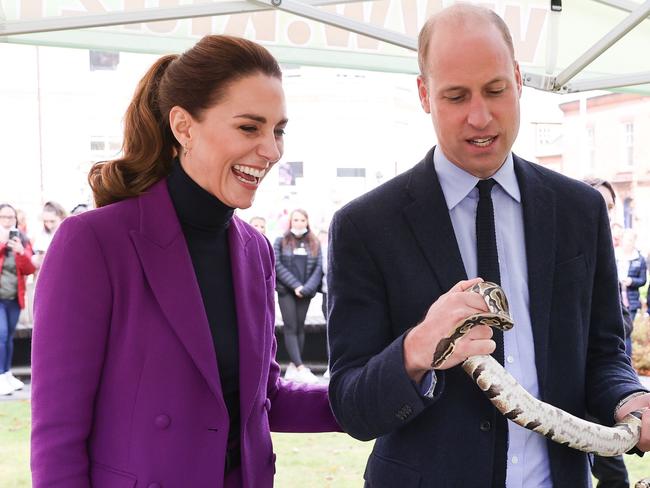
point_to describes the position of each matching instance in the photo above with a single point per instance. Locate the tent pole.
(302, 9)
(631, 21)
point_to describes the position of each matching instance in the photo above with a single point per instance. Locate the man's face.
(471, 88)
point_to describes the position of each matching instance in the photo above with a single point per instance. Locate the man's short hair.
(459, 13)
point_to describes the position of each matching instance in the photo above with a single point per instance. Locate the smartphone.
(13, 233)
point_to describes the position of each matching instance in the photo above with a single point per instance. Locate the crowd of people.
(169, 355)
(21, 256)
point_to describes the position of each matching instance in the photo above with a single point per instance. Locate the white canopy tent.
(581, 45)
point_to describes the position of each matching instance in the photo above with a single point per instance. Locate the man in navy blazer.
(400, 260)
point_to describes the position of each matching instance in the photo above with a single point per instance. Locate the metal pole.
(631, 21)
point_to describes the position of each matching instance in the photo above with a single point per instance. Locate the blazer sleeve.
(284, 276)
(316, 276)
(370, 392)
(607, 363)
(295, 407)
(72, 311)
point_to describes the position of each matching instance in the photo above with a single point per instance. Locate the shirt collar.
(456, 183)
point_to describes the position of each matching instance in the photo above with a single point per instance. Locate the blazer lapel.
(428, 217)
(251, 305)
(167, 264)
(538, 203)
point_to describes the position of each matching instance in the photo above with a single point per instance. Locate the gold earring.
(185, 149)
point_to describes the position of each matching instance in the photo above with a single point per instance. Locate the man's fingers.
(465, 284)
(644, 441)
(480, 332)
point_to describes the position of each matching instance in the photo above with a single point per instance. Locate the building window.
(628, 143)
(543, 135)
(289, 171)
(104, 147)
(351, 172)
(102, 60)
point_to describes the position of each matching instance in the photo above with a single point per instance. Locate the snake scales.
(521, 407)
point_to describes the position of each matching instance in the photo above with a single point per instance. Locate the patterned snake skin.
(520, 406)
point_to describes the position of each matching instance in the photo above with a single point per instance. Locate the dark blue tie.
(488, 269)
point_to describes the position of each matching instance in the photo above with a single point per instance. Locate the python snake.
(515, 403)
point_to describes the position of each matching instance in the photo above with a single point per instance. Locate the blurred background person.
(52, 215)
(22, 221)
(323, 236)
(617, 232)
(15, 265)
(298, 267)
(79, 209)
(259, 223)
(632, 274)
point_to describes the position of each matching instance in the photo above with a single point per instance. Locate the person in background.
(79, 209)
(617, 233)
(259, 223)
(323, 235)
(153, 349)
(52, 216)
(298, 266)
(15, 265)
(22, 221)
(611, 471)
(632, 273)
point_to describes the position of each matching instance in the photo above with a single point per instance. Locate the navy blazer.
(393, 253)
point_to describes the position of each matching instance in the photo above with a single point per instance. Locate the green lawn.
(314, 460)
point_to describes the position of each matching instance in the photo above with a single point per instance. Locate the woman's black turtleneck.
(205, 221)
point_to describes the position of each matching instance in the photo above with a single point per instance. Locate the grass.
(314, 460)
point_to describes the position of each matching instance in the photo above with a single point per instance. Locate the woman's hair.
(6, 205)
(23, 238)
(598, 182)
(288, 239)
(195, 80)
(55, 208)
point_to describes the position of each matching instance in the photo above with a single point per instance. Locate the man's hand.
(441, 319)
(640, 403)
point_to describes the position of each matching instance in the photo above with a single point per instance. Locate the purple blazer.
(125, 384)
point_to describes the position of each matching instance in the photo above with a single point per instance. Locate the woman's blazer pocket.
(102, 476)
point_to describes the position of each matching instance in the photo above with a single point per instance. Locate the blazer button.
(267, 405)
(486, 425)
(162, 422)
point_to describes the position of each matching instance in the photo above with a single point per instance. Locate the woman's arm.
(284, 276)
(71, 321)
(315, 278)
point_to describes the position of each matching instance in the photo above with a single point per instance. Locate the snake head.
(497, 303)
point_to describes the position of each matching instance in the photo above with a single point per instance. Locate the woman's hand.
(298, 291)
(16, 245)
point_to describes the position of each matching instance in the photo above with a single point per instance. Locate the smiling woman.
(169, 355)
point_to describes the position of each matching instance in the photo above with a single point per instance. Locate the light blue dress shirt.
(528, 464)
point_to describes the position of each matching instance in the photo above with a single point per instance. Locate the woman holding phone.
(15, 265)
(154, 347)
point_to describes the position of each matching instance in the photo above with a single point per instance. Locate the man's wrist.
(626, 399)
